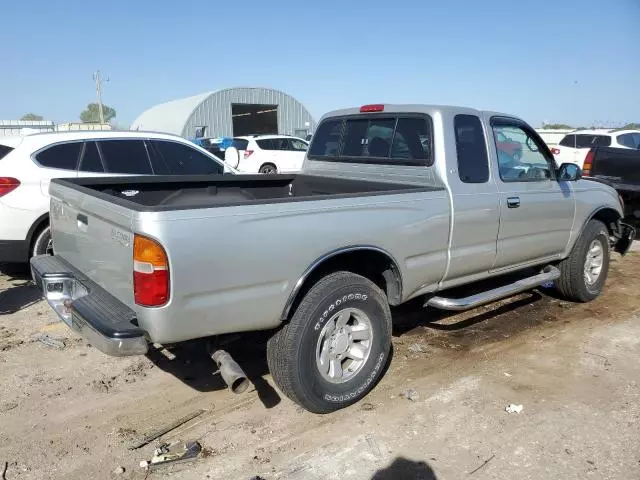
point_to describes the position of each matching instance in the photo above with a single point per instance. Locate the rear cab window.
(390, 138)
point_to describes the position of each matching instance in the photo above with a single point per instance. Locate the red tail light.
(247, 153)
(555, 151)
(8, 184)
(376, 107)
(588, 164)
(150, 272)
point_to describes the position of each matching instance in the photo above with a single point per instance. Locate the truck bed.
(163, 193)
(619, 166)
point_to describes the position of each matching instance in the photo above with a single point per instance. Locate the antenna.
(97, 77)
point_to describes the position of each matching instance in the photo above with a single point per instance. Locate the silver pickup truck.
(394, 202)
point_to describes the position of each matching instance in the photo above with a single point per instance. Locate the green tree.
(631, 126)
(557, 126)
(31, 116)
(92, 113)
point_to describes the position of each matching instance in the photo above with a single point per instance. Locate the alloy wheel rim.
(344, 345)
(594, 262)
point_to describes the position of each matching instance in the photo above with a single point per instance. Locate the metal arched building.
(229, 112)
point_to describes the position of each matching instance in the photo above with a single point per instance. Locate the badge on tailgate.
(118, 236)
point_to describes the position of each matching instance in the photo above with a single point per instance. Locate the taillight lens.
(555, 151)
(588, 163)
(8, 184)
(248, 153)
(376, 107)
(150, 272)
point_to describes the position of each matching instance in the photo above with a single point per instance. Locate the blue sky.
(568, 61)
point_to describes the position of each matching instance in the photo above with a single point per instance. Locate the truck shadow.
(190, 363)
(409, 317)
(21, 292)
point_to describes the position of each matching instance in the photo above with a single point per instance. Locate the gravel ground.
(439, 412)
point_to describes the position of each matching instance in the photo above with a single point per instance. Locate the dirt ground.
(73, 412)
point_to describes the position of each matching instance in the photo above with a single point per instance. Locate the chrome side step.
(548, 274)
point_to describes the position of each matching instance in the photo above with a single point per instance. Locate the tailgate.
(94, 236)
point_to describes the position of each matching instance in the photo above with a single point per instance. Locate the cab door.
(536, 210)
(475, 211)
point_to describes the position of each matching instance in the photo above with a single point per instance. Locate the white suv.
(267, 153)
(573, 148)
(28, 163)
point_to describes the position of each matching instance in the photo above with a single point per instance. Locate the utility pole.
(97, 77)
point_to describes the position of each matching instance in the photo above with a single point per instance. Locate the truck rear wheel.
(336, 345)
(584, 272)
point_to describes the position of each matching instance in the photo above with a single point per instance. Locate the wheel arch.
(273, 164)
(607, 215)
(370, 261)
(40, 222)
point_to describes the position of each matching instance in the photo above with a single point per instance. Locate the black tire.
(572, 283)
(292, 351)
(41, 244)
(269, 169)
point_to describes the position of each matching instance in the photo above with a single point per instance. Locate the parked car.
(573, 147)
(28, 163)
(620, 167)
(267, 154)
(320, 256)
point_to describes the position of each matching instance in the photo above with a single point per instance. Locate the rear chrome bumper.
(87, 308)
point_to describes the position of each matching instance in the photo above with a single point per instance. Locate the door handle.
(513, 202)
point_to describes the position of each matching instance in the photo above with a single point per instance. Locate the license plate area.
(60, 292)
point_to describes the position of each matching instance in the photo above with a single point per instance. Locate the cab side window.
(521, 155)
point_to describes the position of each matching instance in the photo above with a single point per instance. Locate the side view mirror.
(569, 172)
(531, 145)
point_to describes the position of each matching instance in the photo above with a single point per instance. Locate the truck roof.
(416, 108)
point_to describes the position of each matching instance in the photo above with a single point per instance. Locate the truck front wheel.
(336, 345)
(584, 272)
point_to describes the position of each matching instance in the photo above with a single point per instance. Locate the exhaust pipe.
(231, 372)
